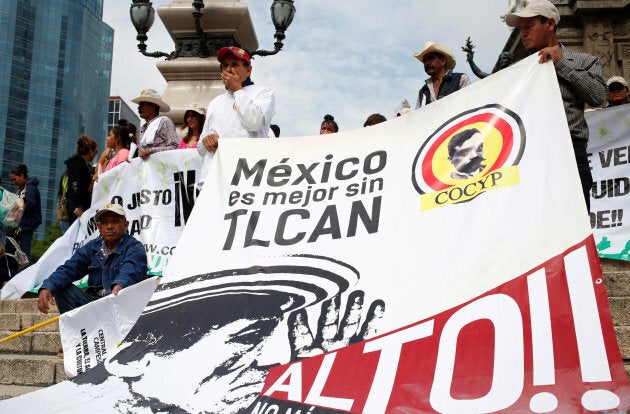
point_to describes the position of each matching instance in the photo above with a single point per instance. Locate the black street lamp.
(282, 12)
(142, 16)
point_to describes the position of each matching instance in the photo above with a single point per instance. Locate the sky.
(345, 58)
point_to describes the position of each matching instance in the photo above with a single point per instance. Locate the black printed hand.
(332, 333)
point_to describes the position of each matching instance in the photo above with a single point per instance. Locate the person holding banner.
(113, 261)
(579, 75)
(158, 133)
(244, 111)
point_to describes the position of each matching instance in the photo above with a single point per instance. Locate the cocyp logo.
(475, 152)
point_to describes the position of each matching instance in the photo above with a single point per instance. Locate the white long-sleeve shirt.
(246, 113)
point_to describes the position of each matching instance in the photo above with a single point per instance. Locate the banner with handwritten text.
(609, 154)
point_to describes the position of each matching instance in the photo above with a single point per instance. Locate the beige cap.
(617, 79)
(535, 8)
(195, 107)
(110, 208)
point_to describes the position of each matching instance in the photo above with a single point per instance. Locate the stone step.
(17, 322)
(31, 342)
(20, 306)
(31, 370)
(10, 391)
(19, 314)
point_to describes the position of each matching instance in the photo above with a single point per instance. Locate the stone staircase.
(28, 362)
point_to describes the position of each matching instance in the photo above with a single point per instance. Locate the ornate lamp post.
(282, 12)
(142, 16)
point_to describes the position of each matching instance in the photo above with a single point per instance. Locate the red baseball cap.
(235, 51)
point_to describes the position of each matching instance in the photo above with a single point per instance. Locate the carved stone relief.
(599, 43)
(569, 33)
(570, 36)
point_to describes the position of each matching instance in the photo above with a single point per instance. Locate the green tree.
(53, 232)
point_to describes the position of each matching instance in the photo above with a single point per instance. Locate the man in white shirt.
(245, 110)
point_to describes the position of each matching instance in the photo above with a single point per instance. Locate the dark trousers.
(71, 297)
(26, 237)
(584, 169)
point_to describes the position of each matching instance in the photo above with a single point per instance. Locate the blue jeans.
(71, 297)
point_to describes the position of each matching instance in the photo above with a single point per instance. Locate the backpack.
(62, 212)
(11, 208)
(20, 257)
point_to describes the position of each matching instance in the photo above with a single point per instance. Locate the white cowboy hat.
(151, 96)
(432, 47)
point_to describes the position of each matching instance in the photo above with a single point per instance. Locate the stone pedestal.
(192, 79)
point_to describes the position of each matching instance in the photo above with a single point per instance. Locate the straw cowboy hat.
(431, 47)
(151, 96)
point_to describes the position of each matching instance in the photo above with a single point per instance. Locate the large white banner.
(158, 196)
(438, 262)
(609, 154)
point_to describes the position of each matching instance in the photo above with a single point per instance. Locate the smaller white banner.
(91, 333)
(609, 156)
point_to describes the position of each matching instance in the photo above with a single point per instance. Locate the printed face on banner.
(255, 317)
(221, 380)
(475, 152)
(465, 152)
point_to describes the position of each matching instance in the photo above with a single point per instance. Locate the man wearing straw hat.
(438, 63)
(158, 133)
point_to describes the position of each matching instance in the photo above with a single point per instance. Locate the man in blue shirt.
(113, 261)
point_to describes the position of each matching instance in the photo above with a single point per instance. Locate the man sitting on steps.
(113, 261)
